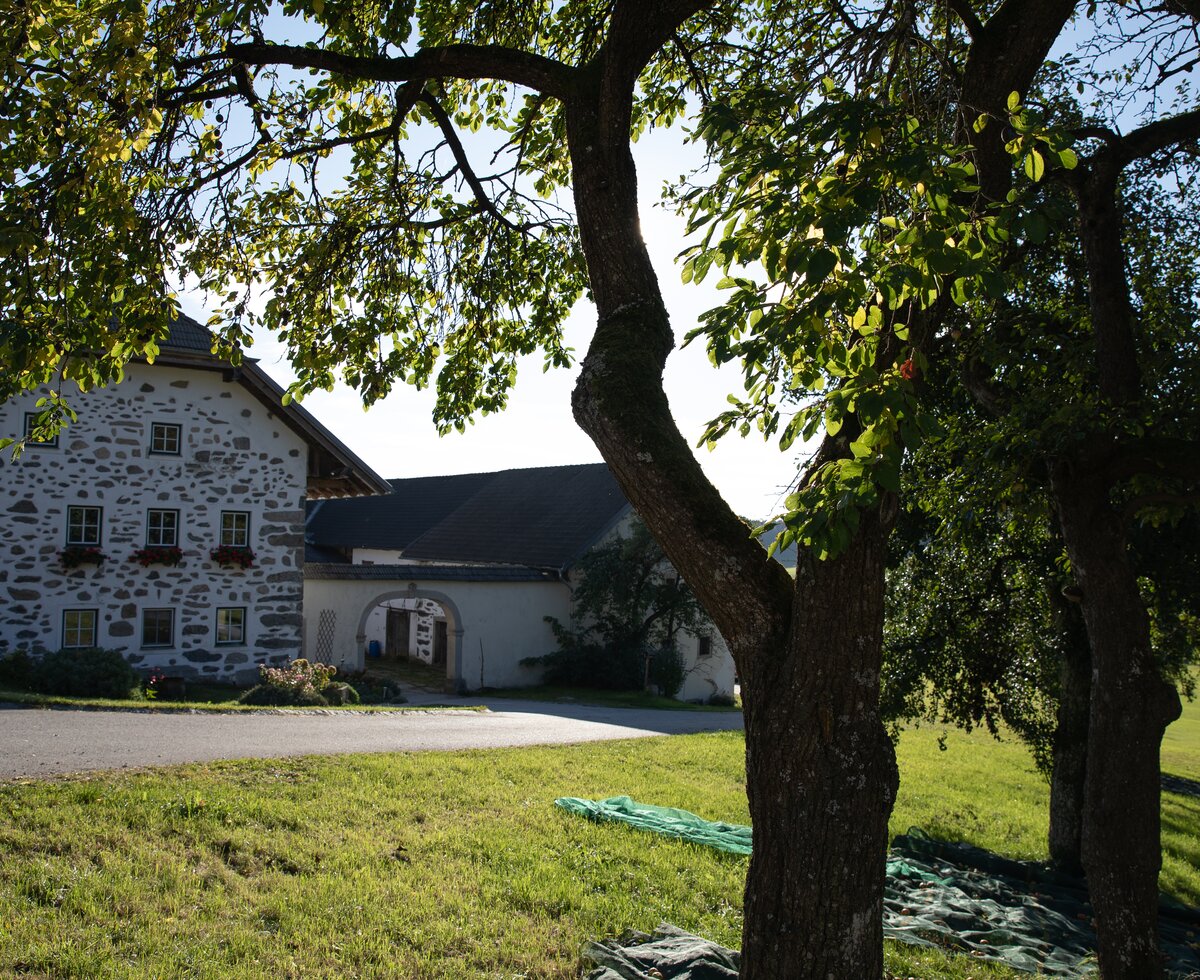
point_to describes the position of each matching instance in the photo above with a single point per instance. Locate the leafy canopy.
(381, 185)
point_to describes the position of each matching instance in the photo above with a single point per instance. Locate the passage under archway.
(411, 633)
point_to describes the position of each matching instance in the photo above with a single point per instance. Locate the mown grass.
(438, 865)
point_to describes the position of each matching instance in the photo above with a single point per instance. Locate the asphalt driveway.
(42, 743)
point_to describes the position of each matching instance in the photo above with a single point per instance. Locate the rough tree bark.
(1132, 703)
(820, 770)
(1069, 750)
(821, 774)
(1131, 708)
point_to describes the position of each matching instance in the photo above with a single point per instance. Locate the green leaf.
(1035, 165)
(820, 265)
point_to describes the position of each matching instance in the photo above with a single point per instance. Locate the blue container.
(374, 649)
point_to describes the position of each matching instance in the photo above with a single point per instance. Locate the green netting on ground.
(937, 894)
(664, 820)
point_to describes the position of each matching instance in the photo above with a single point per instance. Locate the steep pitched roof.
(543, 517)
(333, 469)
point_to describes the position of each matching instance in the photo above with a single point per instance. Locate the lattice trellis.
(325, 628)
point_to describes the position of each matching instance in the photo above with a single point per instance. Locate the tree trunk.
(820, 770)
(821, 776)
(1069, 761)
(1131, 707)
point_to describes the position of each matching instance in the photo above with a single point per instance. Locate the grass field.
(445, 865)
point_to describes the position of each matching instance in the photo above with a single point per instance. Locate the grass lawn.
(444, 865)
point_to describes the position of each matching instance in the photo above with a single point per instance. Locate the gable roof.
(333, 469)
(542, 517)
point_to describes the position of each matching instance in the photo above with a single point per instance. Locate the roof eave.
(346, 476)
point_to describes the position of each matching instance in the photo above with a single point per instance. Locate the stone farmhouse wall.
(235, 455)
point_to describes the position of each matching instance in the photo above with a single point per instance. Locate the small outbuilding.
(463, 572)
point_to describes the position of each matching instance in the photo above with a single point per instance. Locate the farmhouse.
(169, 520)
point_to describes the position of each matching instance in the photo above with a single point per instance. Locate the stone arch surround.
(454, 631)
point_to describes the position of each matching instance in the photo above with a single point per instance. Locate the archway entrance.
(415, 633)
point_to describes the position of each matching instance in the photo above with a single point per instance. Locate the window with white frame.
(235, 529)
(166, 438)
(79, 628)
(83, 525)
(162, 528)
(158, 627)
(231, 625)
(704, 646)
(31, 424)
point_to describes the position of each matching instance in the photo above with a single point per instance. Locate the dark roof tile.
(543, 517)
(190, 335)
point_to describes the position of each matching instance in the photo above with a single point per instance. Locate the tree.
(142, 139)
(629, 606)
(982, 624)
(147, 139)
(984, 627)
(903, 205)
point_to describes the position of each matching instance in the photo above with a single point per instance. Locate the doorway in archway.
(408, 637)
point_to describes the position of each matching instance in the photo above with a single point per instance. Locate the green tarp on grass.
(731, 837)
(952, 896)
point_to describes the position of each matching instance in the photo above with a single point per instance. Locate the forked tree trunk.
(1069, 762)
(1131, 707)
(821, 776)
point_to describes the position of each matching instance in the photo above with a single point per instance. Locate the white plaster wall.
(492, 625)
(709, 675)
(376, 556)
(236, 455)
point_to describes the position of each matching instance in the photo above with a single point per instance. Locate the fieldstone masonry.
(236, 455)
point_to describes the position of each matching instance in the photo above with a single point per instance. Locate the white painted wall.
(492, 626)
(236, 455)
(709, 675)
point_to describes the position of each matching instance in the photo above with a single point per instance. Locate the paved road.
(38, 742)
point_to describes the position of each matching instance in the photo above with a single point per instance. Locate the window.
(30, 423)
(162, 528)
(79, 628)
(158, 627)
(166, 438)
(231, 625)
(83, 525)
(235, 529)
(704, 647)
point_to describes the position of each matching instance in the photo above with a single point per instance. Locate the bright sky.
(397, 438)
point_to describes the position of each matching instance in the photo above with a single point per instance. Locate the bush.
(273, 695)
(16, 670)
(300, 683)
(94, 673)
(668, 670)
(341, 694)
(592, 665)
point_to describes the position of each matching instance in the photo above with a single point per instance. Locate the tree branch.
(468, 61)
(962, 10)
(1162, 134)
(1155, 456)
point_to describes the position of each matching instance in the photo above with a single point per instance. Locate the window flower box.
(229, 556)
(75, 555)
(157, 555)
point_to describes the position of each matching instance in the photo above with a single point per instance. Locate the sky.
(397, 437)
